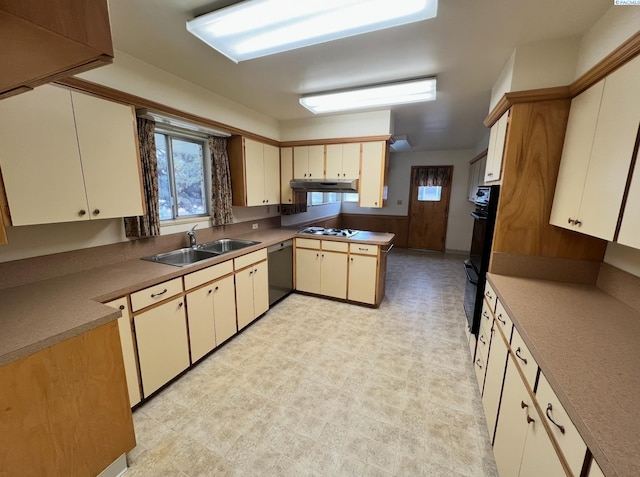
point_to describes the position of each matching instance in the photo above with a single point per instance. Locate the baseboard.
(117, 468)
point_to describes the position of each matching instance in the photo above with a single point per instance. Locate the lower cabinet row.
(177, 322)
(531, 432)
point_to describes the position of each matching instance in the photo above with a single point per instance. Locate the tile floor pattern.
(322, 388)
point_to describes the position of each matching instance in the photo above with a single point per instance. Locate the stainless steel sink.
(182, 257)
(225, 245)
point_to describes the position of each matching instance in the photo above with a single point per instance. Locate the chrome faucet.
(192, 236)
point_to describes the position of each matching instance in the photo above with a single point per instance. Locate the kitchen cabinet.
(163, 344)
(363, 273)
(595, 470)
(308, 162)
(495, 152)
(373, 174)
(597, 154)
(286, 174)
(255, 172)
(45, 41)
(493, 380)
(252, 286)
(527, 363)
(68, 157)
(322, 268)
(128, 350)
(343, 161)
(476, 176)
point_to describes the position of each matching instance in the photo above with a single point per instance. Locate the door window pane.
(429, 193)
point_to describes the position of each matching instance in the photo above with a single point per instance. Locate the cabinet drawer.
(524, 359)
(149, 296)
(479, 368)
(490, 296)
(571, 444)
(308, 243)
(335, 246)
(207, 274)
(253, 257)
(504, 321)
(363, 249)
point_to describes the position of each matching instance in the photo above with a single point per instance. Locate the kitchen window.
(182, 173)
(319, 198)
(350, 197)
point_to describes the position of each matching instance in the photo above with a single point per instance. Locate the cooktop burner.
(335, 232)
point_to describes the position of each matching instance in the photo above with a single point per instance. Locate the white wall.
(460, 223)
(373, 123)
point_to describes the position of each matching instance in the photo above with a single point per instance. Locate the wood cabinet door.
(202, 335)
(539, 457)
(316, 162)
(271, 174)
(372, 174)
(260, 288)
(511, 430)
(308, 270)
(613, 147)
(301, 162)
(40, 160)
(497, 140)
(576, 152)
(224, 309)
(496, 365)
(109, 153)
(350, 161)
(163, 348)
(333, 274)
(362, 278)
(254, 172)
(334, 161)
(128, 350)
(286, 174)
(244, 297)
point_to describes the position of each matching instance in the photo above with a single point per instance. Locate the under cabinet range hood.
(325, 185)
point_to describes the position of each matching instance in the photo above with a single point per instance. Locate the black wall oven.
(484, 220)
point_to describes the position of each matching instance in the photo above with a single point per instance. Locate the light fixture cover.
(256, 28)
(411, 91)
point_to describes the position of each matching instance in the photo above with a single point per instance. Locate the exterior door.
(428, 213)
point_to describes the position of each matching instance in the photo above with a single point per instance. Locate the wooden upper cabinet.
(255, 172)
(372, 174)
(286, 174)
(497, 139)
(68, 157)
(343, 161)
(308, 162)
(45, 41)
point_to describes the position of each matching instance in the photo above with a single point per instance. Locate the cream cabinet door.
(202, 334)
(493, 380)
(244, 297)
(286, 174)
(108, 145)
(308, 270)
(224, 309)
(362, 278)
(539, 457)
(497, 140)
(254, 167)
(301, 162)
(333, 274)
(350, 161)
(334, 161)
(40, 160)
(260, 288)
(316, 162)
(271, 174)
(372, 174)
(163, 347)
(128, 350)
(576, 151)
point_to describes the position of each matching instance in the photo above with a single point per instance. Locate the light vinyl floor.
(323, 388)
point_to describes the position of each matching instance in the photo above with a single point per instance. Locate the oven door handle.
(478, 217)
(467, 266)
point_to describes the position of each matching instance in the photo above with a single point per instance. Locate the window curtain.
(221, 195)
(432, 176)
(147, 225)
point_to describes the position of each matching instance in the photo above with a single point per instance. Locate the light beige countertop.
(40, 314)
(587, 345)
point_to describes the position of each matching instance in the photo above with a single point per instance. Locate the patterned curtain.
(147, 225)
(432, 176)
(221, 195)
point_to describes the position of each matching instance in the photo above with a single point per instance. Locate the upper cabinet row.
(597, 168)
(68, 156)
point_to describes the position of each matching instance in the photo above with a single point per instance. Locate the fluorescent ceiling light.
(412, 91)
(256, 28)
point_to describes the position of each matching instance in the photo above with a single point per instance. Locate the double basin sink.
(186, 256)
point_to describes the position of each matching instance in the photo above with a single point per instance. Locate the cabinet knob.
(267, 201)
(547, 412)
(82, 212)
(530, 419)
(490, 174)
(96, 211)
(309, 174)
(216, 288)
(570, 220)
(523, 404)
(577, 222)
(375, 203)
(479, 363)
(263, 201)
(524, 360)
(121, 307)
(210, 292)
(289, 200)
(180, 305)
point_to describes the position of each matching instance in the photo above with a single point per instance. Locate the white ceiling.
(466, 46)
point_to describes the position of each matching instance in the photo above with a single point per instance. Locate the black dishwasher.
(280, 270)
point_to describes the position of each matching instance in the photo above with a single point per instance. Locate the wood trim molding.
(321, 142)
(528, 96)
(479, 156)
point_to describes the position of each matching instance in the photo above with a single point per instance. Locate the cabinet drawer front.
(308, 243)
(486, 317)
(479, 368)
(207, 274)
(504, 321)
(363, 249)
(490, 296)
(253, 257)
(335, 246)
(161, 291)
(484, 340)
(572, 446)
(524, 359)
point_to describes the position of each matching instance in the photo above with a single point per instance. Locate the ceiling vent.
(401, 143)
